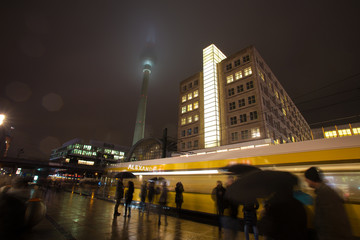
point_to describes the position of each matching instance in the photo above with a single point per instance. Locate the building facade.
(334, 131)
(236, 99)
(95, 153)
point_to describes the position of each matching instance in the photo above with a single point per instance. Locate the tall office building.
(236, 99)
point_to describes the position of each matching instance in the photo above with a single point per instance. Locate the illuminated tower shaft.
(141, 112)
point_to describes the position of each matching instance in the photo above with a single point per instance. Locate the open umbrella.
(125, 175)
(260, 184)
(240, 168)
(155, 179)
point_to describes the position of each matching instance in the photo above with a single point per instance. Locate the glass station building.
(95, 153)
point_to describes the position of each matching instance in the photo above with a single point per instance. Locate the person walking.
(119, 194)
(250, 218)
(128, 198)
(217, 195)
(163, 202)
(143, 193)
(179, 189)
(151, 194)
(331, 220)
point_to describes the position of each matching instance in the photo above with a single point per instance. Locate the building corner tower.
(148, 59)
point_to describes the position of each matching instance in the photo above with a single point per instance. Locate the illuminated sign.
(141, 168)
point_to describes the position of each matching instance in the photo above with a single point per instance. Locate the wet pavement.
(73, 216)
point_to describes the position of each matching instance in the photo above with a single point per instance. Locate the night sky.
(72, 69)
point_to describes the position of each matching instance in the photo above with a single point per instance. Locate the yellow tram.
(339, 158)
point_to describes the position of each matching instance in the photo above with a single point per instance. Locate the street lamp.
(2, 119)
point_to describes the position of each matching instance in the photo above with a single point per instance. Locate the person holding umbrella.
(128, 198)
(331, 221)
(119, 194)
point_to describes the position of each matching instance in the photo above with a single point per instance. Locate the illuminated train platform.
(72, 216)
(339, 158)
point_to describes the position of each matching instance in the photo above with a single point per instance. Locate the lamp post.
(2, 136)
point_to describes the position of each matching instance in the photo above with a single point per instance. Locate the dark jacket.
(218, 194)
(249, 211)
(143, 192)
(119, 194)
(164, 196)
(179, 189)
(129, 194)
(284, 218)
(151, 192)
(331, 221)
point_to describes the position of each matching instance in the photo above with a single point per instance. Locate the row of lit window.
(239, 75)
(190, 144)
(189, 119)
(113, 152)
(241, 102)
(190, 96)
(240, 88)
(243, 118)
(190, 131)
(342, 133)
(237, 62)
(84, 152)
(190, 107)
(244, 134)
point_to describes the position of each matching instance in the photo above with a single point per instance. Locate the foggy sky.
(72, 68)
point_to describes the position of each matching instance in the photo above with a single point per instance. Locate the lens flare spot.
(52, 102)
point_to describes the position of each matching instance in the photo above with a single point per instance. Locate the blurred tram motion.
(339, 158)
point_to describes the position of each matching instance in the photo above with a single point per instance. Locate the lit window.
(196, 105)
(229, 79)
(183, 109)
(183, 99)
(196, 93)
(284, 111)
(196, 118)
(189, 96)
(190, 119)
(238, 75)
(261, 75)
(247, 71)
(255, 132)
(356, 131)
(276, 94)
(189, 107)
(183, 121)
(234, 136)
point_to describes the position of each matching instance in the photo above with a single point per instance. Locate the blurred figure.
(250, 218)
(151, 194)
(231, 222)
(217, 195)
(331, 221)
(179, 189)
(143, 193)
(119, 194)
(283, 217)
(128, 198)
(13, 200)
(163, 202)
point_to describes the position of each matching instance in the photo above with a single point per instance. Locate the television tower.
(148, 60)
